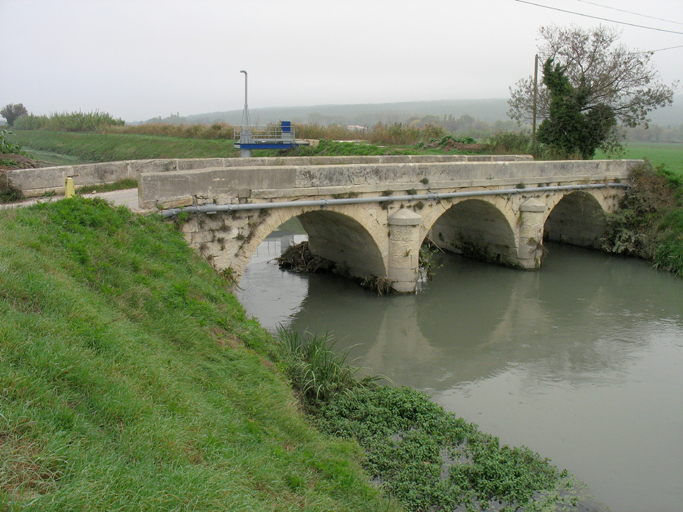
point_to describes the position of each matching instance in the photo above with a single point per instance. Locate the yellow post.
(69, 191)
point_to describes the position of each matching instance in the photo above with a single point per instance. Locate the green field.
(51, 158)
(109, 147)
(668, 154)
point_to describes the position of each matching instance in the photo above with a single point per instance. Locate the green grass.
(130, 379)
(50, 158)
(670, 155)
(109, 147)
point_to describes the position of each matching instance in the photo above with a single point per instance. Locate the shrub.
(7, 147)
(649, 222)
(509, 142)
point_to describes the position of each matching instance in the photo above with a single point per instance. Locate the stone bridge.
(371, 215)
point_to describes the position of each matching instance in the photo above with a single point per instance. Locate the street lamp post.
(245, 132)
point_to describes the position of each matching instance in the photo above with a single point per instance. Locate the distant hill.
(362, 114)
(489, 110)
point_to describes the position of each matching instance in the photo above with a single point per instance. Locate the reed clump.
(69, 122)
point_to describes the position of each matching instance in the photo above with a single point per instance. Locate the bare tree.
(13, 111)
(609, 73)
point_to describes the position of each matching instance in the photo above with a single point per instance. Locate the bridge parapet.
(36, 182)
(220, 185)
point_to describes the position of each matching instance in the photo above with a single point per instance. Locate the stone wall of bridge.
(37, 182)
(383, 239)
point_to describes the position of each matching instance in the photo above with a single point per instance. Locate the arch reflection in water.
(262, 275)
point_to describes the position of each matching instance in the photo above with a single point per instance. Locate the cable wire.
(599, 18)
(629, 12)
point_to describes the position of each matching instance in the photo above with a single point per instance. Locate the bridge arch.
(345, 234)
(578, 218)
(481, 228)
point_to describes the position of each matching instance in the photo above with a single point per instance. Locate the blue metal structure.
(249, 137)
(266, 137)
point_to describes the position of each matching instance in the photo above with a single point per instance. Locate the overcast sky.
(138, 59)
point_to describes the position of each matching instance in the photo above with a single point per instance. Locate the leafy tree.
(606, 72)
(13, 111)
(572, 126)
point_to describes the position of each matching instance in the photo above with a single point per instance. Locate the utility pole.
(533, 125)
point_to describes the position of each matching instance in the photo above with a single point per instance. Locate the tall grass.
(68, 122)
(218, 131)
(315, 369)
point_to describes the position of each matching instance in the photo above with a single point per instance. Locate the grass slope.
(109, 147)
(130, 379)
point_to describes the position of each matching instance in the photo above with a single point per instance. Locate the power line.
(629, 12)
(662, 49)
(599, 18)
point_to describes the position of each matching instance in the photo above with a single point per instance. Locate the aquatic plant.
(431, 460)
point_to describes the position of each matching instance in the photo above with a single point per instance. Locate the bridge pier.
(530, 247)
(404, 250)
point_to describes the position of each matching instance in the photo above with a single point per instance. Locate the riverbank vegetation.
(649, 223)
(11, 157)
(424, 457)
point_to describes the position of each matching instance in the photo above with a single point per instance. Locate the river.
(581, 361)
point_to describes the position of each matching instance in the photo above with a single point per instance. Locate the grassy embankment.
(130, 379)
(108, 147)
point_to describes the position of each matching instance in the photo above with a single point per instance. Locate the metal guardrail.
(264, 134)
(431, 196)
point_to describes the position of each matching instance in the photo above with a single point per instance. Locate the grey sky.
(138, 59)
